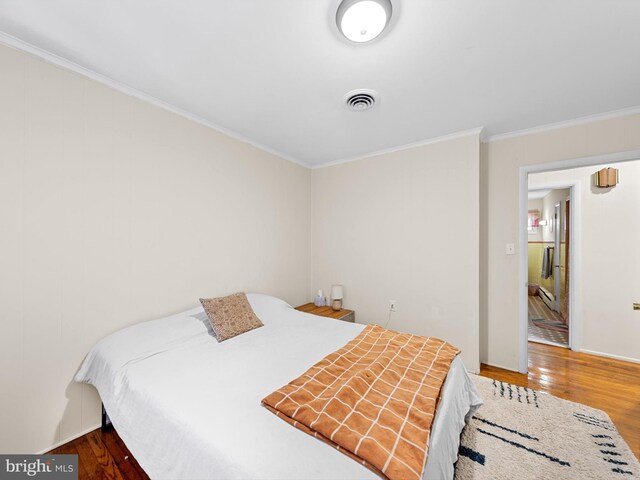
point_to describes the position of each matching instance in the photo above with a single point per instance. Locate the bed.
(189, 407)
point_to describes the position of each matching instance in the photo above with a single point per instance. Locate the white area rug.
(521, 433)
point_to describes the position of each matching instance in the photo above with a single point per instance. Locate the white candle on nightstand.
(337, 295)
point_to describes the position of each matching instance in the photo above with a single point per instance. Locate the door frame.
(574, 252)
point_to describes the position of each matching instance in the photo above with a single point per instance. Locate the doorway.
(548, 234)
(615, 330)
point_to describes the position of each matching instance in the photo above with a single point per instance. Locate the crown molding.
(54, 59)
(565, 124)
(406, 146)
(49, 57)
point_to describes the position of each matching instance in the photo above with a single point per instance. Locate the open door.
(564, 305)
(557, 257)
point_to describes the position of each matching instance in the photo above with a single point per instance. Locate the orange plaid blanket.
(374, 399)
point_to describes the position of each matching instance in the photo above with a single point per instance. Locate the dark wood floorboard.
(103, 456)
(122, 458)
(610, 385)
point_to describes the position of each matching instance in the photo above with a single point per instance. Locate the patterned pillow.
(230, 316)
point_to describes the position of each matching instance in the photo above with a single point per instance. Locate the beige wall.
(549, 202)
(404, 226)
(535, 247)
(609, 236)
(113, 211)
(535, 235)
(499, 320)
(546, 234)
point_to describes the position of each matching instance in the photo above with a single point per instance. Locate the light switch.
(511, 249)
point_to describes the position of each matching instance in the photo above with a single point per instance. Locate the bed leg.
(106, 421)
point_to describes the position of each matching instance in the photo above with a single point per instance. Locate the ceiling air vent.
(360, 100)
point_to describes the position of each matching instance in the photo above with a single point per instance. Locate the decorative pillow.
(230, 316)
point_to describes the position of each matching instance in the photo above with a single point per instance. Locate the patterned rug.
(551, 324)
(540, 332)
(546, 325)
(539, 309)
(521, 433)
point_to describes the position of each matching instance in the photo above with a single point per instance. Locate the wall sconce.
(606, 178)
(543, 223)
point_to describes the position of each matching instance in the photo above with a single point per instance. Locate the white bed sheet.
(188, 407)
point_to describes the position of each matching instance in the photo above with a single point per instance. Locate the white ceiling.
(274, 72)
(538, 194)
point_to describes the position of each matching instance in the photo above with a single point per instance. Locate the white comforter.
(189, 407)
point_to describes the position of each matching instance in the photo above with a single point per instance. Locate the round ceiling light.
(363, 20)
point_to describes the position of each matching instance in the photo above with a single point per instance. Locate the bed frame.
(106, 421)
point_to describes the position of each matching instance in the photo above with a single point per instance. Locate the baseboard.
(548, 342)
(547, 297)
(610, 355)
(515, 370)
(68, 439)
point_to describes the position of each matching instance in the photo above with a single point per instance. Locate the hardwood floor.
(610, 385)
(603, 383)
(103, 455)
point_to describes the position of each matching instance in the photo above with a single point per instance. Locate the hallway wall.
(501, 161)
(609, 236)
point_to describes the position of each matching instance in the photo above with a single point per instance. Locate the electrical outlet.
(392, 305)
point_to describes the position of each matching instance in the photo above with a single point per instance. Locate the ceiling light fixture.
(363, 20)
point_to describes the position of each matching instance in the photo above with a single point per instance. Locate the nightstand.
(342, 314)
